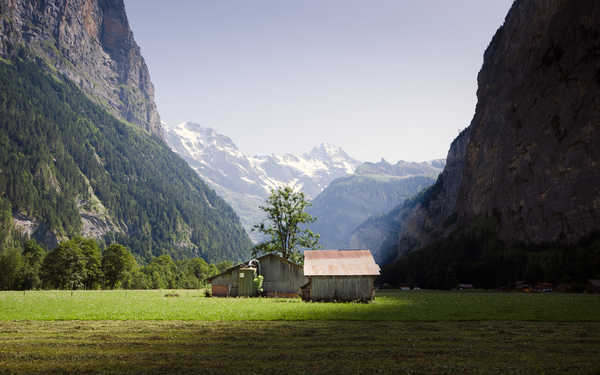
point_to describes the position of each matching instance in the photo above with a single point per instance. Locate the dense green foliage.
(20, 258)
(74, 264)
(388, 305)
(475, 255)
(117, 262)
(285, 211)
(78, 263)
(61, 155)
(164, 273)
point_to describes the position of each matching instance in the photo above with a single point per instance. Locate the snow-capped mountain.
(245, 181)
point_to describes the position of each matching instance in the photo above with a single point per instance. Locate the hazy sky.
(383, 78)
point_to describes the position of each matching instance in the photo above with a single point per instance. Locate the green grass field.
(126, 332)
(388, 305)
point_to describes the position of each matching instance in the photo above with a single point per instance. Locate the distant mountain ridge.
(345, 191)
(217, 158)
(402, 169)
(245, 181)
(373, 190)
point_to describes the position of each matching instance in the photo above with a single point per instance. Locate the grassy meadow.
(388, 305)
(126, 332)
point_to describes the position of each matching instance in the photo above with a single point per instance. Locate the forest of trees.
(61, 154)
(477, 257)
(80, 263)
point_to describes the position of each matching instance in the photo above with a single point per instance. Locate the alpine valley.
(246, 181)
(345, 192)
(83, 152)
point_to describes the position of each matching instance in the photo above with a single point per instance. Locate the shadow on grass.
(152, 347)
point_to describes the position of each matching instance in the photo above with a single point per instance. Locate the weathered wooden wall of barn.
(230, 279)
(281, 276)
(342, 287)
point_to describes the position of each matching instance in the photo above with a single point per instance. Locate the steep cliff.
(432, 215)
(81, 148)
(533, 158)
(68, 168)
(527, 170)
(91, 43)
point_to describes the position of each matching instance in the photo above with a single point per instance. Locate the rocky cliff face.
(529, 161)
(532, 162)
(433, 215)
(91, 43)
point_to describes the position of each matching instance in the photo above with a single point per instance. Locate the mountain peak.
(91, 43)
(331, 154)
(402, 168)
(216, 158)
(327, 149)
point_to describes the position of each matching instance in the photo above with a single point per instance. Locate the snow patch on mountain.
(244, 180)
(216, 158)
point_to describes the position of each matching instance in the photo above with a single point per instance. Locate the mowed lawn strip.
(299, 347)
(388, 305)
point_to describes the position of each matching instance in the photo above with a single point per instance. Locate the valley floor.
(305, 347)
(131, 332)
(421, 305)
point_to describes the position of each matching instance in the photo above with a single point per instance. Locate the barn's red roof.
(339, 263)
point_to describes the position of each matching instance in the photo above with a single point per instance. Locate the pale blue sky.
(383, 78)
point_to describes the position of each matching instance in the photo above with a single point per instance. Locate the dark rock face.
(91, 43)
(530, 160)
(431, 216)
(533, 158)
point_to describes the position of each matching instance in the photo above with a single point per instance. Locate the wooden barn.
(281, 278)
(341, 275)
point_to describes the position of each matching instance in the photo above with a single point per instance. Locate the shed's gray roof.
(339, 263)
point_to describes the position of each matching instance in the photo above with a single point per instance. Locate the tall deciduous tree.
(92, 260)
(33, 257)
(162, 272)
(285, 216)
(117, 263)
(11, 264)
(64, 267)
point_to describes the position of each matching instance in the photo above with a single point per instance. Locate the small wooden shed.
(341, 275)
(281, 278)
